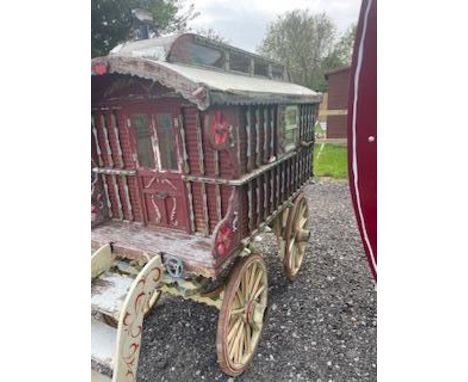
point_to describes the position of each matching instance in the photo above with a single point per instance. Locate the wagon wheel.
(296, 237)
(242, 314)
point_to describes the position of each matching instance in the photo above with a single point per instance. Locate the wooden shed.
(338, 82)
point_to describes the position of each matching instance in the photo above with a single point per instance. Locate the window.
(239, 62)
(196, 54)
(166, 142)
(277, 72)
(261, 68)
(291, 114)
(143, 141)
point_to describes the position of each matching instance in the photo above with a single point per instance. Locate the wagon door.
(157, 158)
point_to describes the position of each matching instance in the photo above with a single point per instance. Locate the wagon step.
(120, 297)
(108, 292)
(103, 340)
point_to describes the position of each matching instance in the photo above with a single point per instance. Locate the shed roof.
(202, 86)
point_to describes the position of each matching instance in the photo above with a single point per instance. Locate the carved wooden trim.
(229, 222)
(101, 260)
(219, 130)
(130, 325)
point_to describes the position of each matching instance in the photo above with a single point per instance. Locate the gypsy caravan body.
(197, 147)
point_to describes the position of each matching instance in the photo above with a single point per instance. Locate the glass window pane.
(140, 123)
(166, 142)
(196, 54)
(290, 127)
(239, 62)
(261, 68)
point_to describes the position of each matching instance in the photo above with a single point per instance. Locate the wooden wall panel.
(336, 126)
(338, 83)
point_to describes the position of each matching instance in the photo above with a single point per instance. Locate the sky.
(244, 22)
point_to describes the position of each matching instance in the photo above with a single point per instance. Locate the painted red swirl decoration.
(219, 128)
(133, 321)
(223, 239)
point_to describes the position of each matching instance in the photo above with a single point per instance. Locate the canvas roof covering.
(202, 86)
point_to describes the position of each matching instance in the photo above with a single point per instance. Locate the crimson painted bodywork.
(362, 130)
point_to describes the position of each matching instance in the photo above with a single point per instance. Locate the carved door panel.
(164, 201)
(158, 163)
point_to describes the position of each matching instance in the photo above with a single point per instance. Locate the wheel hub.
(302, 235)
(250, 312)
(254, 315)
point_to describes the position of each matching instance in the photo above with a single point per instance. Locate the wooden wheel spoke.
(234, 330)
(249, 344)
(238, 302)
(257, 283)
(238, 311)
(293, 258)
(305, 212)
(245, 350)
(258, 292)
(240, 296)
(240, 343)
(292, 243)
(302, 222)
(298, 258)
(252, 277)
(236, 342)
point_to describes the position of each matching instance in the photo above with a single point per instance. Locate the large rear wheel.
(296, 237)
(242, 314)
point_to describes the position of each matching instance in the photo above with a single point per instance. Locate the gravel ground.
(320, 328)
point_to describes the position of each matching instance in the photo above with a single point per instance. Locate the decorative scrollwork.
(174, 221)
(226, 233)
(98, 211)
(219, 131)
(131, 320)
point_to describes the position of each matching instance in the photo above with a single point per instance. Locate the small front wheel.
(242, 314)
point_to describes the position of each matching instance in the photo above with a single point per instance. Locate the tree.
(212, 34)
(112, 20)
(343, 50)
(307, 44)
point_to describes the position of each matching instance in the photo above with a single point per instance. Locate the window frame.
(148, 135)
(175, 143)
(290, 145)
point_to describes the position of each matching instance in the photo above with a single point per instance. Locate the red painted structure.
(194, 137)
(362, 130)
(337, 105)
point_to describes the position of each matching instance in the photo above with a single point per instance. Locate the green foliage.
(112, 20)
(308, 45)
(342, 51)
(212, 34)
(331, 160)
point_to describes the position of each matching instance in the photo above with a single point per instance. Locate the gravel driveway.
(320, 328)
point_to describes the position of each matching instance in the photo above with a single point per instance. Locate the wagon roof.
(149, 59)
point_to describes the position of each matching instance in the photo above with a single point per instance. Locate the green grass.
(319, 130)
(331, 161)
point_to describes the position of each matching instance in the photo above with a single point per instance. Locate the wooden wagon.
(197, 147)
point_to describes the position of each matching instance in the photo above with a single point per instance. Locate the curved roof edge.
(207, 87)
(160, 48)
